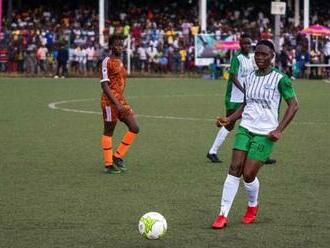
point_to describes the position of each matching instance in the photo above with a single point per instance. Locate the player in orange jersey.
(115, 107)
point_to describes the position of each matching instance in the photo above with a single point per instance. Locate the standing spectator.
(142, 52)
(74, 59)
(176, 60)
(82, 60)
(41, 57)
(326, 51)
(136, 32)
(183, 59)
(12, 52)
(126, 30)
(50, 62)
(170, 56)
(49, 36)
(3, 58)
(194, 29)
(20, 55)
(152, 57)
(163, 61)
(315, 55)
(284, 60)
(62, 61)
(185, 32)
(90, 51)
(30, 62)
(302, 59)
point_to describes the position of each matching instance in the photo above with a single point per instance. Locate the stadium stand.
(161, 35)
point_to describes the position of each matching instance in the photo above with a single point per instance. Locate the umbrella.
(230, 45)
(317, 30)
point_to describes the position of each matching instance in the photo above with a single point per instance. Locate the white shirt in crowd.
(326, 49)
(152, 53)
(90, 51)
(41, 53)
(142, 53)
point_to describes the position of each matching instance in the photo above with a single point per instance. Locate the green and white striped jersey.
(263, 95)
(242, 66)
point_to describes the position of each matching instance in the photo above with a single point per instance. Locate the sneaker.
(220, 222)
(213, 158)
(119, 163)
(270, 161)
(250, 215)
(112, 169)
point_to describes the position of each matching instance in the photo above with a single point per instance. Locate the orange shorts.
(110, 112)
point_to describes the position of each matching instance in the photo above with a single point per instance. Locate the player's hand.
(275, 135)
(222, 121)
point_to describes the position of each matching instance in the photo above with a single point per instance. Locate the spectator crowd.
(58, 43)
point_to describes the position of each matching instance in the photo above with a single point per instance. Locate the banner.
(208, 46)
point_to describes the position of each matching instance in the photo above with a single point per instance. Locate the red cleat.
(250, 215)
(220, 222)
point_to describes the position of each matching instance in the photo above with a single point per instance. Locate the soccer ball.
(152, 225)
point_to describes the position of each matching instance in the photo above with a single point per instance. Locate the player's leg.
(127, 140)
(231, 184)
(251, 184)
(260, 150)
(110, 121)
(230, 188)
(221, 135)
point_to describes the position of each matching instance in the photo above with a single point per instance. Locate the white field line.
(326, 81)
(55, 106)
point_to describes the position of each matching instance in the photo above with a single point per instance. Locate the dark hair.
(114, 38)
(245, 35)
(266, 43)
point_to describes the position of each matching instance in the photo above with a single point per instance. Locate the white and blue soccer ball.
(152, 225)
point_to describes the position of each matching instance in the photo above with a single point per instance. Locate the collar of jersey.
(259, 74)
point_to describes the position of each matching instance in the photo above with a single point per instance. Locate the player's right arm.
(224, 121)
(105, 85)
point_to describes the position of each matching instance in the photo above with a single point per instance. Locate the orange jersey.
(114, 72)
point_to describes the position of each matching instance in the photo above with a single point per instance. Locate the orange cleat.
(220, 222)
(250, 215)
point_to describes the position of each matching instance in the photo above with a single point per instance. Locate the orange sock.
(125, 144)
(107, 150)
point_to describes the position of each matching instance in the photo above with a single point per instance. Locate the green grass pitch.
(53, 192)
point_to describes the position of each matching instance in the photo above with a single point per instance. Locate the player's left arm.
(288, 93)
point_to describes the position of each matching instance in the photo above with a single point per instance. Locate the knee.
(134, 129)
(108, 130)
(248, 177)
(235, 169)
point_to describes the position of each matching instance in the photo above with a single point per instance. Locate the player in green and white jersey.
(258, 131)
(242, 64)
